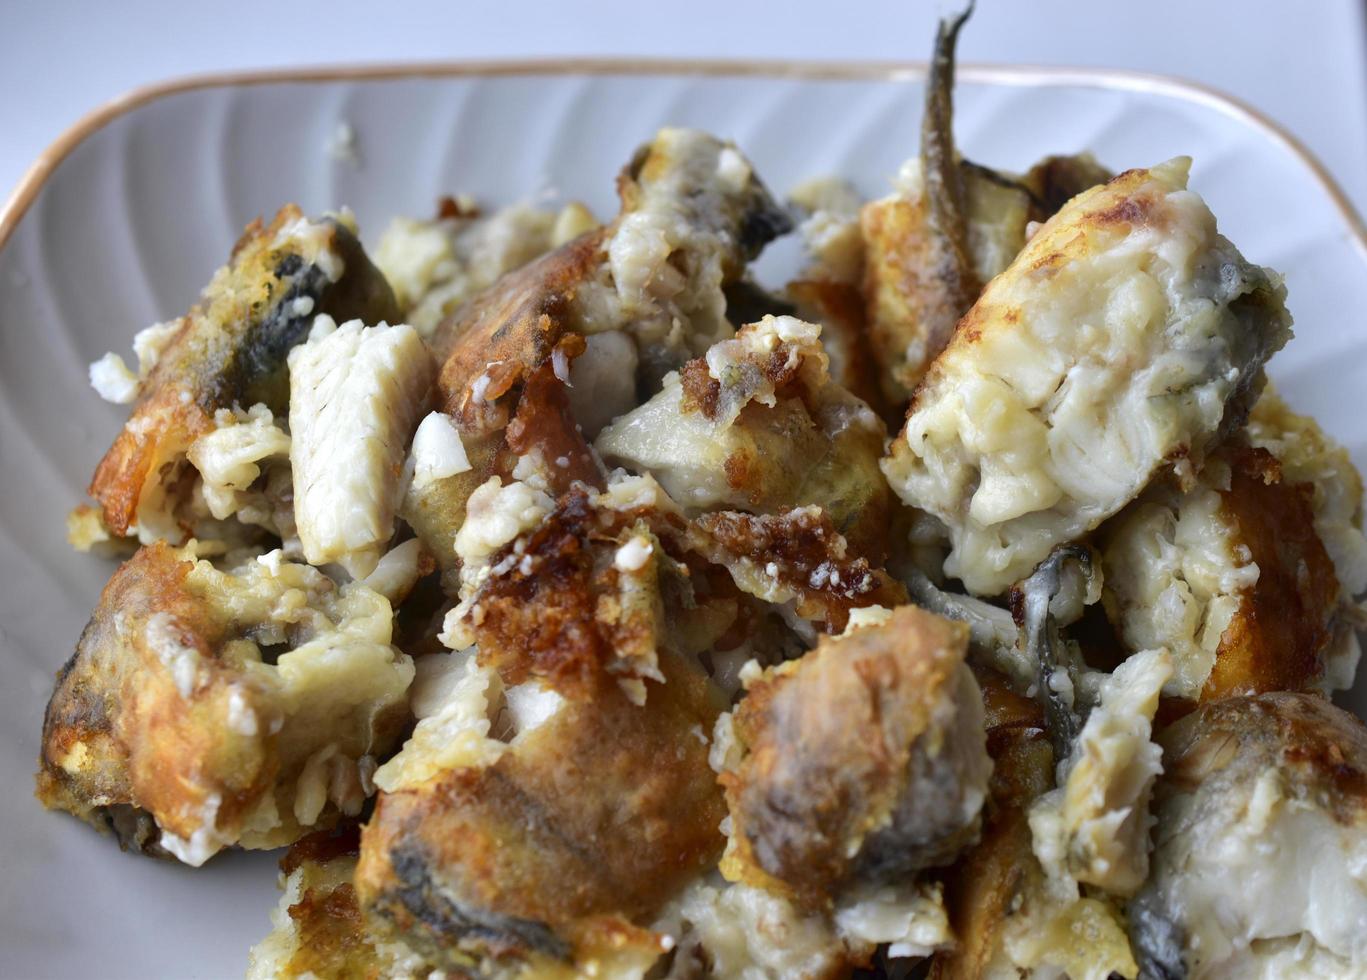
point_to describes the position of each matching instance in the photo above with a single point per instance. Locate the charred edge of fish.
(424, 899)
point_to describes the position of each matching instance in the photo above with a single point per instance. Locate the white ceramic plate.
(122, 223)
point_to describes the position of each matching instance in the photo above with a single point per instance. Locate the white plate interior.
(133, 222)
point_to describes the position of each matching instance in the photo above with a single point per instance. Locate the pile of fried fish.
(570, 604)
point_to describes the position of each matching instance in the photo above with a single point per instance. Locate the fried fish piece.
(556, 792)
(1230, 576)
(863, 762)
(226, 708)
(1309, 458)
(1126, 337)
(549, 850)
(437, 266)
(1260, 845)
(758, 424)
(231, 349)
(693, 214)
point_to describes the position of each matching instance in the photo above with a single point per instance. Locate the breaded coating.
(317, 929)
(1230, 576)
(204, 709)
(580, 827)
(797, 560)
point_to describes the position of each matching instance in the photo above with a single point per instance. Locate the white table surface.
(1303, 63)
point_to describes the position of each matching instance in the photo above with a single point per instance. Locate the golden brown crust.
(507, 332)
(601, 813)
(910, 304)
(828, 742)
(333, 942)
(116, 729)
(1277, 638)
(559, 610)
(167, 712)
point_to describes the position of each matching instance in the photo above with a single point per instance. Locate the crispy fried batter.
(168, 707)
(1230, 575)
(596, 816)
(798, 556)
(557, 605)
(231, 347)
(1277, 638)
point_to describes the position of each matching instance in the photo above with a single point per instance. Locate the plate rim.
(38, 173)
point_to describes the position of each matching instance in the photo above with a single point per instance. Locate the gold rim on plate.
(33, 180)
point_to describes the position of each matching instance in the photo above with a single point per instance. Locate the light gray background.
(1304, 62)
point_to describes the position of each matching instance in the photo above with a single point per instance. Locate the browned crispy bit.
(861, 762)
(1266, 621)
(231, 348)
(795, 556)
(556, 605)
(168, 727)
(586, 823)
(537, 315)
(544, 424)
(1277, 638)
(758, 425)
(319, 931)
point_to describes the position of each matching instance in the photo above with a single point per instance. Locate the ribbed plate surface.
(133, 221)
